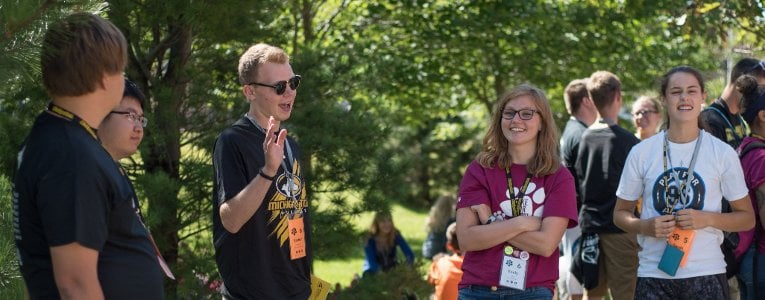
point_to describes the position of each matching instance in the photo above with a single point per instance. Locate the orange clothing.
(446, 273)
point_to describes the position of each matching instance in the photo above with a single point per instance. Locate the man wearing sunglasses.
(723, 119)
(261, 224)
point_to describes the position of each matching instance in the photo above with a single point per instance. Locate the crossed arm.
(533, 234)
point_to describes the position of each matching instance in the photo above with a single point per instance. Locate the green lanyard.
(516, 202)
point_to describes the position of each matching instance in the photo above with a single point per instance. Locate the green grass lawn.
(411, 223)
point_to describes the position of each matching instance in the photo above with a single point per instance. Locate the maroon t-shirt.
(548, 196)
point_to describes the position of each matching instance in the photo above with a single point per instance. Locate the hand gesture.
(690, 219)
(483, 211)
(659, 227)
(273, 146)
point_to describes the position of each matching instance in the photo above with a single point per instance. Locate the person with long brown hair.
(440, 216)
(380, 249)
(519, 177)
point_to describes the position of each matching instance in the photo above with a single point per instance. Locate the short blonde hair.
(257, 55)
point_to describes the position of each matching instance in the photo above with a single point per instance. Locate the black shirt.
(602, 154)
(68, 189)
(569, 150)
(720, 122)
(255, 262)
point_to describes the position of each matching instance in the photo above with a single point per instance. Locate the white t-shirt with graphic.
(717, 174)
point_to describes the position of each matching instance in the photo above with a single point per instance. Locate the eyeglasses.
(644, 112)
(525, 114)
(281, 86)
(134, 117)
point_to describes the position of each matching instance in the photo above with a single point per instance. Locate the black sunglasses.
(760, 64)
(281, 86)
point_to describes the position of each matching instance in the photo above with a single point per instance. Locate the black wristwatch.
(263, 174)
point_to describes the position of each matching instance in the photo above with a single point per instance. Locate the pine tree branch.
(40, 11)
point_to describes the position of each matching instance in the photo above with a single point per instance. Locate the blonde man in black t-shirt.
(261, 215)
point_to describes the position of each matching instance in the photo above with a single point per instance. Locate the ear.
(760, 116)
(248, 92)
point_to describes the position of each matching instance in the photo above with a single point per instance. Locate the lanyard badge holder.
(515, 261)
(679, 241)
(295, 226)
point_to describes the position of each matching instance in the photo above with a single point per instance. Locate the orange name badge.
(297, 237)
(682, 239)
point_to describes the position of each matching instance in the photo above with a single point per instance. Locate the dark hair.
(680, 69)
(753, 100)
(451, 236)
(602, 88)
(132, 90)
(747, 66)
(78, 51)
(575, 91)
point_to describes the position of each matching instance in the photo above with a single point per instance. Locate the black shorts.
(703, 287)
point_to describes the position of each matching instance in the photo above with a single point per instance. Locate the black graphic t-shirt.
(602, 153)
(255, 262)
(569, 150)
(67, 189)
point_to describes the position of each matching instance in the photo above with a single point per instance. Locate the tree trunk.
(164, 140)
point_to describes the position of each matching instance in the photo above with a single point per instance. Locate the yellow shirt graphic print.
(281, 204)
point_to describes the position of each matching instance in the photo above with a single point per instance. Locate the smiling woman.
(524, 200)
(682, 191)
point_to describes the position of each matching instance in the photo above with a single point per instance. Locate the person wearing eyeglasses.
(646, 116)
(122, 130)
(261, 214)
(77, 233)
(515, 201)
(682, 174)
(602, 153)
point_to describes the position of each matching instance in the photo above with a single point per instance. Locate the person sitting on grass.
(380, 249)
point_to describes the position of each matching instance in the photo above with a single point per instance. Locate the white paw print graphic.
(532, 195)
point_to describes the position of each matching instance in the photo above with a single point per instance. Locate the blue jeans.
(745, 275)
(478, 292)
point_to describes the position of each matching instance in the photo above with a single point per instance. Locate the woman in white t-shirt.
(682, 174)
